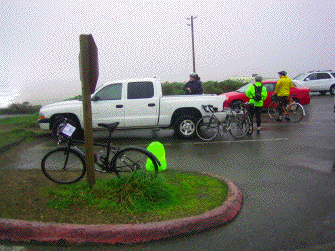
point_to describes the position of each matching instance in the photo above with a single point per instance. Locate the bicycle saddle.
(110, 127)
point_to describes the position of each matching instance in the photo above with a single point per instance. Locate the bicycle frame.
(288, 110)
(231, 112)
(285, 106)
(213, 110)
(105, 163)
(66, 164)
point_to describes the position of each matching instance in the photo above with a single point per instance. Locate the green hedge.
(210, 87)
(17, 108)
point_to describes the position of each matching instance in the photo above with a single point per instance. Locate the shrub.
(210, 87)
(78, 97)
(172, 88)
(140, 191)
(24, 108)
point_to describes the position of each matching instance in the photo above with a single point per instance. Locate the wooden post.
(89, 73)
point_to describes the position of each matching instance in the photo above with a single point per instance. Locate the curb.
(25, 231)
(10, 145)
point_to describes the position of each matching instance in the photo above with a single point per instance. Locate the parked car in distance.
(302, 95)
(317, 81)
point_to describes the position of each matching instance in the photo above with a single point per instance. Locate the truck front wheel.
(185, 126)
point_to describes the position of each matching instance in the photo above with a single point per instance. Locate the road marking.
(227, 141)
(242, 141)
(320, 112)
(299, 123)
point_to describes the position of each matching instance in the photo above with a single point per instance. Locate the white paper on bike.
(68, 130)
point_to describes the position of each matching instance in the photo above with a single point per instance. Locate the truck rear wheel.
(185, 126)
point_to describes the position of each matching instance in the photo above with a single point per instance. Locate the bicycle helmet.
(283, 73)
(258, 78)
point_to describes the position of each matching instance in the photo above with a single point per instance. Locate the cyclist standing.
(282, 90)
(256, 103)
(194, 86)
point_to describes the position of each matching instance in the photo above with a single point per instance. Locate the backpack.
(258, 93)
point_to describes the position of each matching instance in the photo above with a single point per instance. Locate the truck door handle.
(119, 106)
(151, 104)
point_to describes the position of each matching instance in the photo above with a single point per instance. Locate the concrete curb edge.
(25, 231)
(9, 145)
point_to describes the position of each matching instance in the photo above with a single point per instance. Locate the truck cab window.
(140, 90)
(110, 92)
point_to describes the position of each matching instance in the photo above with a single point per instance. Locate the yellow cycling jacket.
(283, 86)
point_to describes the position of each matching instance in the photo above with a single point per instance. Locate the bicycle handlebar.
(210, 108)
(238, 106)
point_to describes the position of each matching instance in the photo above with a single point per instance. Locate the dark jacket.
(196, 87)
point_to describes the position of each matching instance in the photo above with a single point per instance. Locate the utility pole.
(192, 32)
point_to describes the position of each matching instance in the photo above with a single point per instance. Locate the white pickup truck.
(134, 103)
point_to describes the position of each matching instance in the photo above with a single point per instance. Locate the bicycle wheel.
(296, 112)
(64, 166)
(131, 159)
(249, 123)
(273, 110)
(238, 126)
(207, 128)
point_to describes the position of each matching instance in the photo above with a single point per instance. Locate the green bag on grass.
(157, 149)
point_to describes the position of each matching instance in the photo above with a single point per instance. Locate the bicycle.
(66, 164)
(245, 110)
(236, 121)
(293, 110)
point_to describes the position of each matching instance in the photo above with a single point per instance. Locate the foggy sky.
(40, 41)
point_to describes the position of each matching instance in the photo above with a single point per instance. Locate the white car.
(317, 81)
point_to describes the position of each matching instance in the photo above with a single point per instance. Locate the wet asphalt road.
(286, 176)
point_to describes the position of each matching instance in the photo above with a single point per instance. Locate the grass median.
(138, 198)
(28, 195)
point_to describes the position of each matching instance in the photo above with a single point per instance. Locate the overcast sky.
(40, 41)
